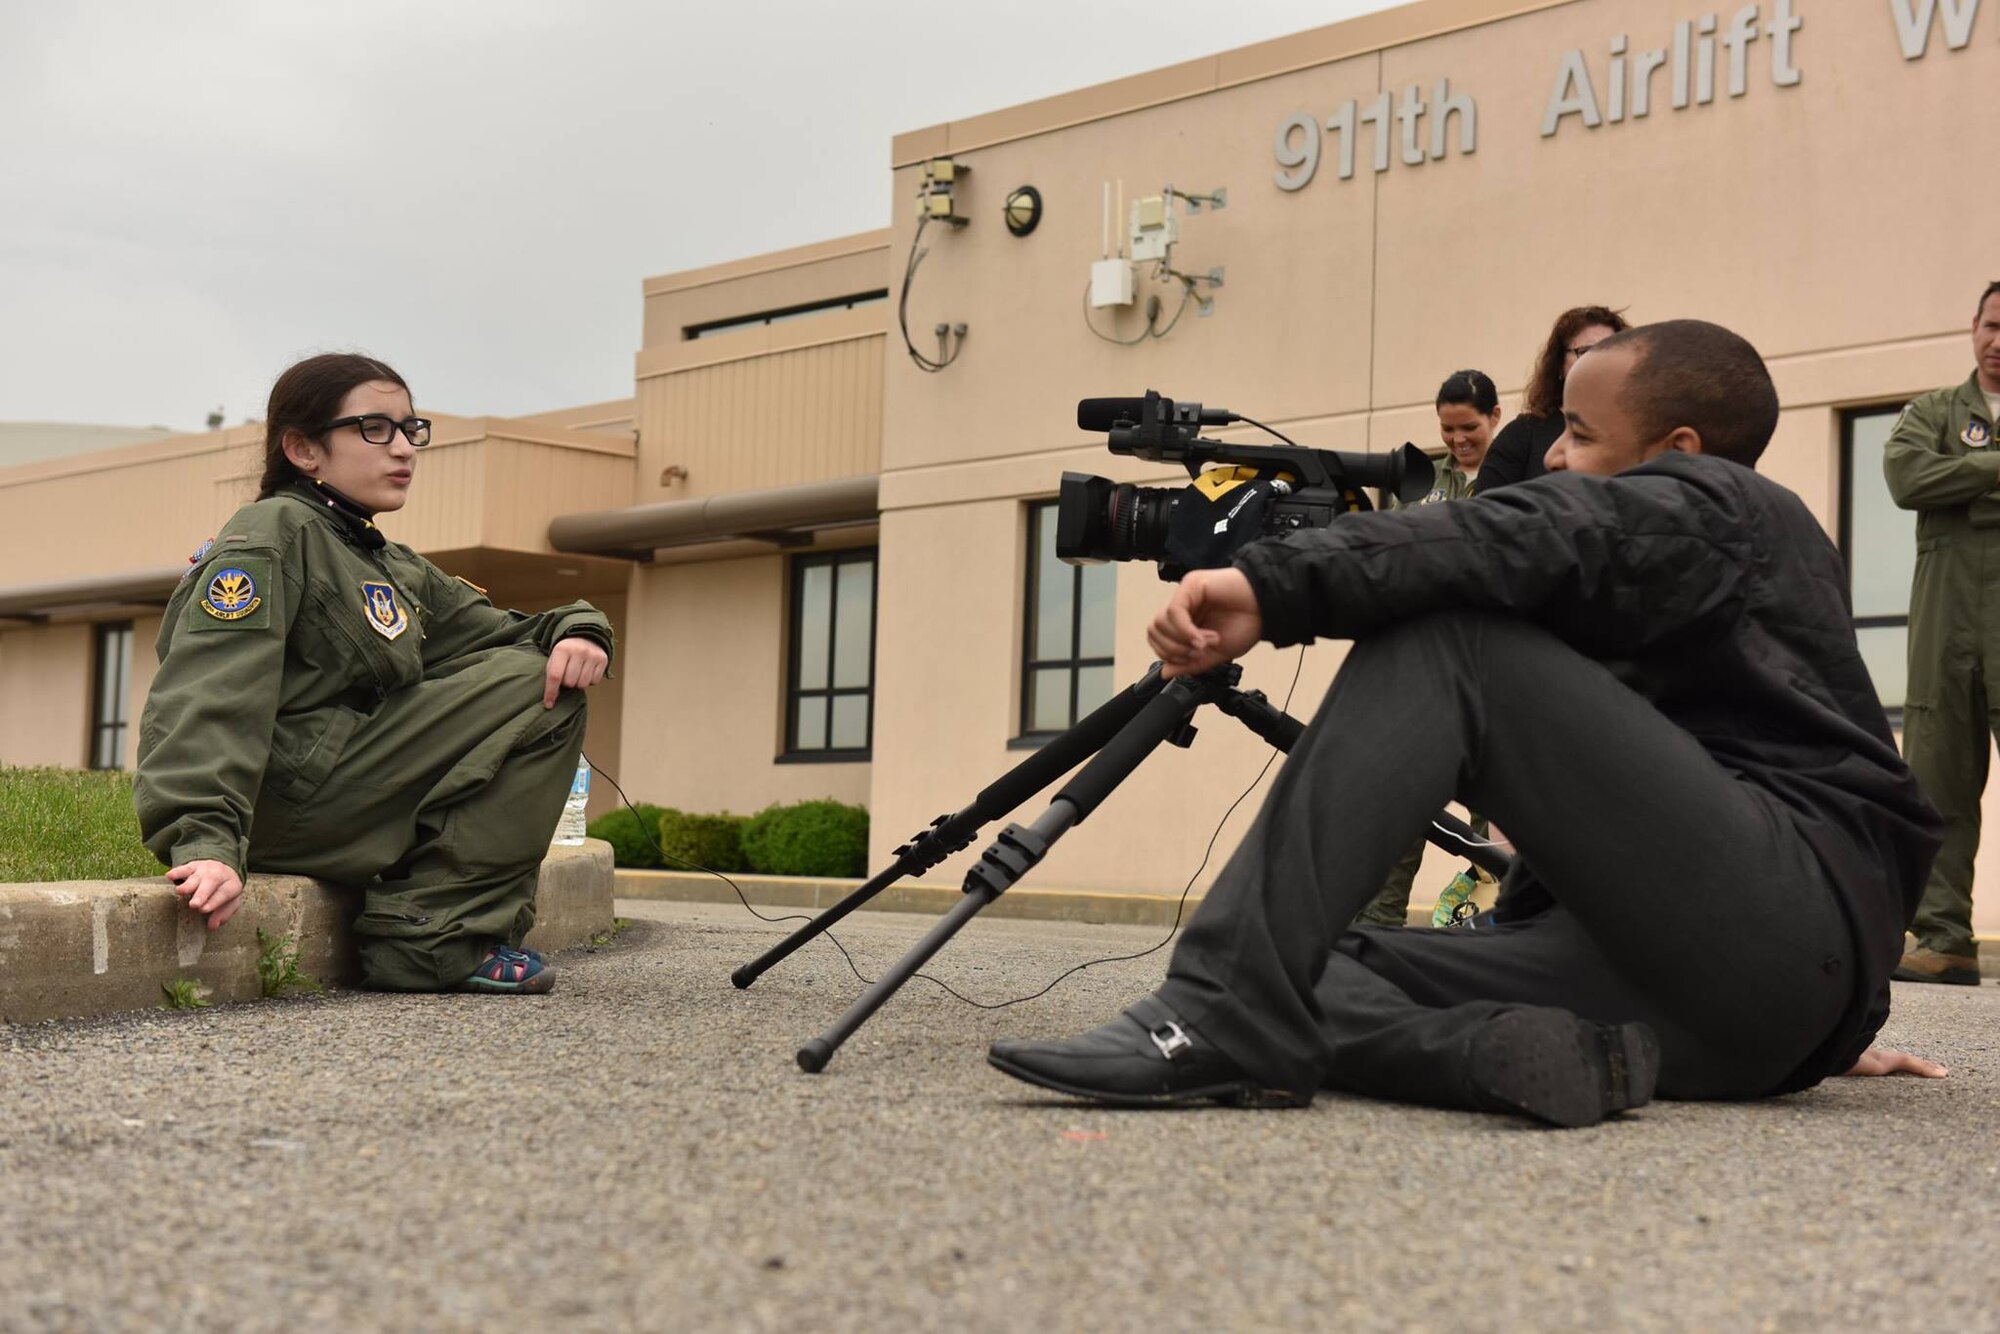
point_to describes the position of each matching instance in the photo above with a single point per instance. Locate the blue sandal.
(511, 972)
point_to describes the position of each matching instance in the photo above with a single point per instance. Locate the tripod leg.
(949, 834)
(818, 1051)
(1018, 849)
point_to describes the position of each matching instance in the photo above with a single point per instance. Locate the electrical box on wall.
(1112, 283)
(1154, 228)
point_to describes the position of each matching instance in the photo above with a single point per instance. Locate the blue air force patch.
(385, 612)
(1977, 434)
(231, 595)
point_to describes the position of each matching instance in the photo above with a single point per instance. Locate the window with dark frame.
(109, 717)
(1879, 543)
(830, 695)
(1066, 663)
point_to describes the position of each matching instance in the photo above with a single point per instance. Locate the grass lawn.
(69, 824)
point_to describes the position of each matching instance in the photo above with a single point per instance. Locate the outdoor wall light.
(1023, 209)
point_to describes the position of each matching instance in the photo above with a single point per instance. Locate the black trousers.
(1686, 898)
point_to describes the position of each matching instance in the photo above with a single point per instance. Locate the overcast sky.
(194, 193)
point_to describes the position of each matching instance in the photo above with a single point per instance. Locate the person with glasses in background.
(329, 703)
(1519, 449)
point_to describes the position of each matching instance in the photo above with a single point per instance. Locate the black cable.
(1187, 295)
(917, 253)
(1180, 909)
(1268, 430)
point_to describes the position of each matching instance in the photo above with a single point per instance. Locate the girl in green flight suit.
(330, 703)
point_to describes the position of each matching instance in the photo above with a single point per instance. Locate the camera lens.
(1099, 520)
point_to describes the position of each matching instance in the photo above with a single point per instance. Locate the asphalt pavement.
(639, 1151)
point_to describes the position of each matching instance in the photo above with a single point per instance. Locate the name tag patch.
(384, 609)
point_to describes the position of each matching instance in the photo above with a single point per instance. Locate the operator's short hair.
(1699, 375)
(1992, 289)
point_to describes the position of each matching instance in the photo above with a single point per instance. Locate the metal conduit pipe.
(645, 528)
(31, 600)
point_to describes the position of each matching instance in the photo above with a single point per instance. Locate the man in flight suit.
(1642, 666)
(1943, 461)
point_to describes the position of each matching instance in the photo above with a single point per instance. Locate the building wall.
(704, 706)
(45, 682)
(762, 407)
(824, 271)
(483, 482)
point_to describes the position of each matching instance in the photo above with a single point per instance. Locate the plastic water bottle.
(570, 829)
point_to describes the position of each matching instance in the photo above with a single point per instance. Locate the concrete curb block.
(1051, 905)
(90, 947)
(784, 891)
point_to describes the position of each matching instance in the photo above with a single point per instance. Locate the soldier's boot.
(1928, 965)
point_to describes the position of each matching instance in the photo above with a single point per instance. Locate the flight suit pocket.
(392, 921)
(305, 748)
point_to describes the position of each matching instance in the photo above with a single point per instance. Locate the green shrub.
(70, 824)
(808, 838)
(712, 842)
(630, 836)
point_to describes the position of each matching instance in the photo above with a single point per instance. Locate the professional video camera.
(1239, 494)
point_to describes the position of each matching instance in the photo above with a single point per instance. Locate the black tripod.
(1117, 738)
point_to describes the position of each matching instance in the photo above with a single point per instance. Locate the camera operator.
(1643, 667)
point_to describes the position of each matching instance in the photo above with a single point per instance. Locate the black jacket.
(1716, 596)
(1516, 453)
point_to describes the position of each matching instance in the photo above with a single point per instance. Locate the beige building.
(830, 563)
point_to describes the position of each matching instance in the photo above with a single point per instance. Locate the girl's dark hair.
(307, 397)
(1545, 381)
(1472, 389)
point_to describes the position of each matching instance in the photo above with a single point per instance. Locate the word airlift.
(1690, 63)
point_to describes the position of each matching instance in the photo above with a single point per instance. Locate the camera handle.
(1118, 737)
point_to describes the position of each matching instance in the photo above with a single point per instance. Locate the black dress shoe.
(1146, 1057)
(1552, 1066)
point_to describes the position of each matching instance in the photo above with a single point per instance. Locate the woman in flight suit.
(329, 703)
(1468, 412)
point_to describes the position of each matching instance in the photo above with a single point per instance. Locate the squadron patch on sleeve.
(1977, 434)
(385, 611)
(232, 594)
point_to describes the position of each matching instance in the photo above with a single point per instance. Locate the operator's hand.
(209, 887)
(1212, 618)
(575, 663)
(1889, 1061)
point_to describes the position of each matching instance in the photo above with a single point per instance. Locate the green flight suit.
(1391, 904)
(334, 705)
(1941, 461)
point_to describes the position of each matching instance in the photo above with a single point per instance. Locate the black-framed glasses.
(379, 428)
